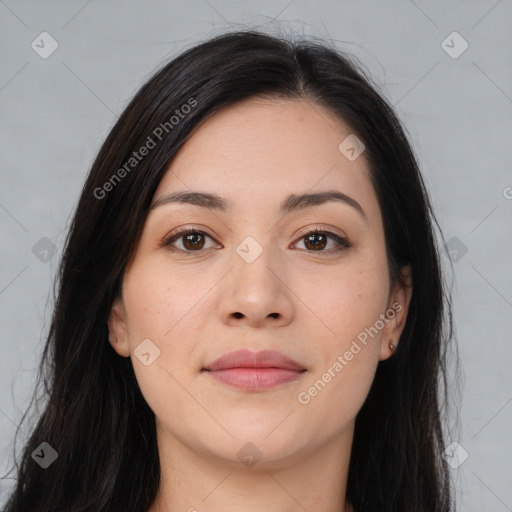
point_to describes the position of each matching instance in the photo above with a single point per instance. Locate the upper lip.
(247, 359)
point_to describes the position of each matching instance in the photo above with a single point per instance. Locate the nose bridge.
(252, 261)
(254, 242)
(250, 249)
(254, 290)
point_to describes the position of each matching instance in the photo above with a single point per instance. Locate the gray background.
(56, 111)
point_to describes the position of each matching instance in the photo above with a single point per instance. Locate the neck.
(196, 482)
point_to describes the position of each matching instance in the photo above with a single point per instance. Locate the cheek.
(362, 298)
(152, 301)
(159, 308)
(346, 299)
(349, 301)
(335, 394)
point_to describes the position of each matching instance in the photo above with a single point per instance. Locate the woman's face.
(250, 277)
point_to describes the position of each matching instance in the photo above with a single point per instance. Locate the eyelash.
(343, 243)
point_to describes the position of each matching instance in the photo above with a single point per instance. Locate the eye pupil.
(192, 238)
(317, 244)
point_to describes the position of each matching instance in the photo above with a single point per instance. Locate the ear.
(398, 306)
(117, 328)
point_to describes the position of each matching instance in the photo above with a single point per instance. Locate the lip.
(255, 371)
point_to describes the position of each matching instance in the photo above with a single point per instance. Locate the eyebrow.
(293, 202)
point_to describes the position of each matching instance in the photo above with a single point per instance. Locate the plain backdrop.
(452, 91)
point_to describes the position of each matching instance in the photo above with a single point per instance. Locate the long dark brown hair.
(93, 412)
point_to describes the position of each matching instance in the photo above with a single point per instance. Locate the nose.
(256, 294)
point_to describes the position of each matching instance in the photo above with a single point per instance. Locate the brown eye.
(192, 240)
(195, 240)
(316, 241)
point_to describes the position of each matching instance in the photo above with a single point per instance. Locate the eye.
(192, 240)
(318, 239)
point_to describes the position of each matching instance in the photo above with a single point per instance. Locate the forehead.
(261, 150)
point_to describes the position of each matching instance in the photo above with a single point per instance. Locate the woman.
(251, 313)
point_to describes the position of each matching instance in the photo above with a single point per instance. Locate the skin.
(309, 304)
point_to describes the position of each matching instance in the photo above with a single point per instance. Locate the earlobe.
(399, 305)
(117, 329)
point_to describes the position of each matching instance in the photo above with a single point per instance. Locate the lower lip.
(255, 379)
